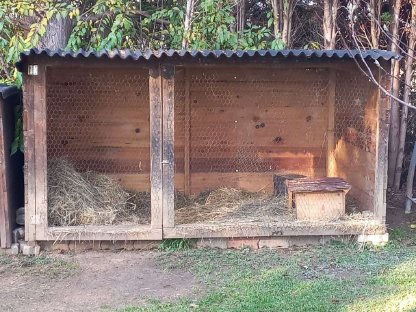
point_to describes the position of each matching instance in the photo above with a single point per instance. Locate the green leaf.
(14, 147)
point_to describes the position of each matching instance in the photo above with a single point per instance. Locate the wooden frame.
(383, 123)
(162, 102)
(35, 131)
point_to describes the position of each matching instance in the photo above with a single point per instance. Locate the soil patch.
(103, 280)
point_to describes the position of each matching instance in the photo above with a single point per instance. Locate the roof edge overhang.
(148, 55)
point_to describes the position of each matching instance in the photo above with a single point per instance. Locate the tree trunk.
(409, 183)
(395, 109)
(283, 13)
(286, 18)
(187, 24)
(241, 16)
(57, 34)
(329, 23)
(277, 21)
(406, 96)
(375, 7)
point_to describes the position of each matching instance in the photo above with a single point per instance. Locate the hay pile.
(89, 198)
(232, 205)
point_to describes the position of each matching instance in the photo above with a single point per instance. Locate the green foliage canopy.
(126, 24)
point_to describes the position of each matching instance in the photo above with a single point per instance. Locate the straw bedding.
(88, 198)
(76, 198)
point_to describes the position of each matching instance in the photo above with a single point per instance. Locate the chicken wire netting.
(98, 146)
(240, 133)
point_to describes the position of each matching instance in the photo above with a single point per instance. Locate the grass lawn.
(335, 277)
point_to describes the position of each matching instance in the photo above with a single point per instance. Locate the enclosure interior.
(237, 127)
(98, 152)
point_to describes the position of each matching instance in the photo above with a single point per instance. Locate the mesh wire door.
(98, 147)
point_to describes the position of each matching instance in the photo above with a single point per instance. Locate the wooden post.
(155, 97)
(168, 162)
(4, 216)
(41, 186)
(330, 162)
(382, 136)
(187, 131)
(29, 167)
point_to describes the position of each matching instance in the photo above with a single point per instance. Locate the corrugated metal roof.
(7, 91)
(159, 54)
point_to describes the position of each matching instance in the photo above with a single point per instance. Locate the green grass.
(42, 265)
(175, 244)
(336, 277)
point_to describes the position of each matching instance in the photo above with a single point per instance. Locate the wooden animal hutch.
(198, 137)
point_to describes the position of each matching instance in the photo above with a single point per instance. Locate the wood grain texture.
(98, 233)
(383, 122)
(156, 111)
(320, 206)
(264, 229)
(308, 185)
(168, 156)
(29, 167)
(40, 150)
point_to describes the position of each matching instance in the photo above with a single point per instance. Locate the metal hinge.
(32, 70)
(165, 162)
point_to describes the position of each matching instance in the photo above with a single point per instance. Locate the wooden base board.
(272, 229)
(209, 231)
(220, 243)
(99, 233)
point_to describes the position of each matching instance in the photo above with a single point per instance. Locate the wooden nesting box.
(318, 199)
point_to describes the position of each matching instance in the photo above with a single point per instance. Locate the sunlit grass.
(337, 277)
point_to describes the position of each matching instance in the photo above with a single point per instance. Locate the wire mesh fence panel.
(243, 128)
(355, 135)
(98, 146)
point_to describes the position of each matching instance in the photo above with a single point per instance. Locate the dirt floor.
(89, 282)
(104, 281)
(395, 211)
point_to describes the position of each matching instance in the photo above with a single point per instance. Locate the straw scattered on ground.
(232, 204)
(89, 198)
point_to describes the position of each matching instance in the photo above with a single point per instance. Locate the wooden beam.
(4, 220)
(29, 166)
(187, 131)
(268, 229)
(101, 232)
(382, 135)
(155, 97)
(39, 92)
(168, 162)
(331, 124)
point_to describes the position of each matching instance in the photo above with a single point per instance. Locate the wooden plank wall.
(356, 135)
(99, 119)
(247, 124)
